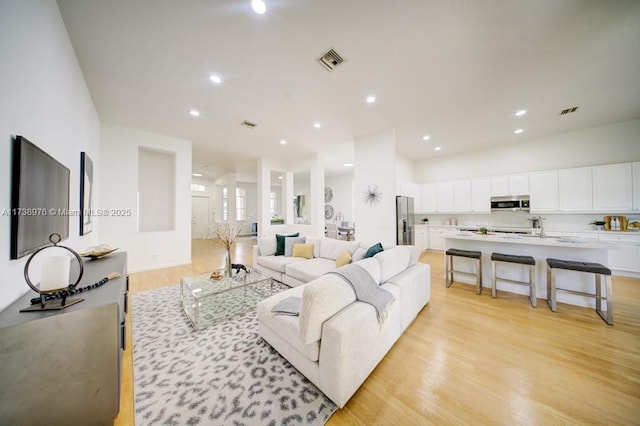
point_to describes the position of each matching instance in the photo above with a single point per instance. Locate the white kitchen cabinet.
(462, 196)
(421, 237)
(408, 189)
(444, 196)
(612, 188)
(517, 184)
(543, 191)
(627, 257)
(636, 185)
(481, 195)
(428, 197)
(436, 240)
(575, 189)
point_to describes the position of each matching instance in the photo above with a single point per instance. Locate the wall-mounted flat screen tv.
(39, 198)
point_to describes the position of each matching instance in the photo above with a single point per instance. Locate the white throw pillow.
(316, 241)
(392, 262)
(289, 242)
(331, 249)
(267, 245)
(358, 254)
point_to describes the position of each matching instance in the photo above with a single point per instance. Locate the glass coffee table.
(207, 301)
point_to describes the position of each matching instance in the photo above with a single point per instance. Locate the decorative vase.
(227, 264)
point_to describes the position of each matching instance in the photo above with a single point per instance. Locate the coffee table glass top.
(207, 301)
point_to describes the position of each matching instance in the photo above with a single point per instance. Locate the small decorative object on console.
(96, 252)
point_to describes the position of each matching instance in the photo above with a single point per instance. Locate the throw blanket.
(288, 306)
(366, 289)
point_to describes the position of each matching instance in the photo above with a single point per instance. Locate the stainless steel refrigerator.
(404, 221)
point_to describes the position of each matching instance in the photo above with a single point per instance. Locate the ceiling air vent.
(330, 60)
(568, 110)
(249, 124)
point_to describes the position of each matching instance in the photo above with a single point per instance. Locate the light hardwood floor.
(469, 359)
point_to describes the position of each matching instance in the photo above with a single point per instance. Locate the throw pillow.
(303, 250)
(358, 254)
(372, 251)
(280, 242)
(343, 259)
(289, 242)
(267, 245)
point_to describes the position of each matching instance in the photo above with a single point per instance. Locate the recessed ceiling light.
(371, 99)
(348, 164)
(521, 112)
(196, 174)
(426, 137)
(283, 142)
(279, 177)
(437, 148)
(258, 6)
(215, 79)
(518, 131)
(317, 125)
(194, 113)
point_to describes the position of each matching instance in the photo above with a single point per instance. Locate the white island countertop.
(570, 242)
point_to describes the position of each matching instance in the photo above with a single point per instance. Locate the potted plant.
(425, 220)
(598, 225)
(483, 230)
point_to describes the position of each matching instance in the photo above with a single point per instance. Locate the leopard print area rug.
(224, 374)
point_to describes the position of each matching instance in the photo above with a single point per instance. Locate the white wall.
(45, 99)
(146, 250)
(375, 166)
(404, 169)
(614, 143)
(343, 197)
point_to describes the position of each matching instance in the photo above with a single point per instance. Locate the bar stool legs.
(594, 268)
(520, 260)
(468, 254)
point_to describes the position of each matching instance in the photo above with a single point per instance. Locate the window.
(197, 187)
(272, 204)
(241, 204)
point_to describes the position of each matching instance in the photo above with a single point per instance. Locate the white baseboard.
(161, 266)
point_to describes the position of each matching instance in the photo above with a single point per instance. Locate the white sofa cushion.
(331, 249)
(414, 255)
(310, 269)
(317, 242)
(267, 245)
(278, 263)
(321, 299)
(286, 326)
(392, 262)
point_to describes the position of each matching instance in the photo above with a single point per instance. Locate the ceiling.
(456, 70)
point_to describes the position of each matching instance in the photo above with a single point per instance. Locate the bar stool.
(520, 260)
(471, 254)
(589, 267)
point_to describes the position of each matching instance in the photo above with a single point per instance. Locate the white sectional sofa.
(295, 271)
(337, 341)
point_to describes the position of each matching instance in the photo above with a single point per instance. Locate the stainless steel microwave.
(510, 203)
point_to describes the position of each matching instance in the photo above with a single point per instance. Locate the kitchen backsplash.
(552, 222)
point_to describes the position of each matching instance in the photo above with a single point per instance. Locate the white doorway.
(200, 217)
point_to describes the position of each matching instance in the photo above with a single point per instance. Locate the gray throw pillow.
(289, 242)
(358, 254)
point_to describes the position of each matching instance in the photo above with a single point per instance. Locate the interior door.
(200, 217)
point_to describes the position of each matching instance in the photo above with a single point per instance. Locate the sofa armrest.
(353, 343)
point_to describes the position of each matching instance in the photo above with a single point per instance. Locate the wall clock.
(328, 211)
(328, 194)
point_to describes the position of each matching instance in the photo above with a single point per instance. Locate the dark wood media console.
(64, 367)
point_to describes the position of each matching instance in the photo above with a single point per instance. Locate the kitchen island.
(580, 249)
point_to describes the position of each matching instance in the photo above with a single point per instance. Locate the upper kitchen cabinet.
(409, 189)
(636, 185)
(462, 196)
(444, 194)
(612, 187)
(428, 197)
(481, 195)
(543, 191)
(517, 184)
(575, 188)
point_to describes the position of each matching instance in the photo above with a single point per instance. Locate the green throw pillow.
(280, 242)
(373, 250)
